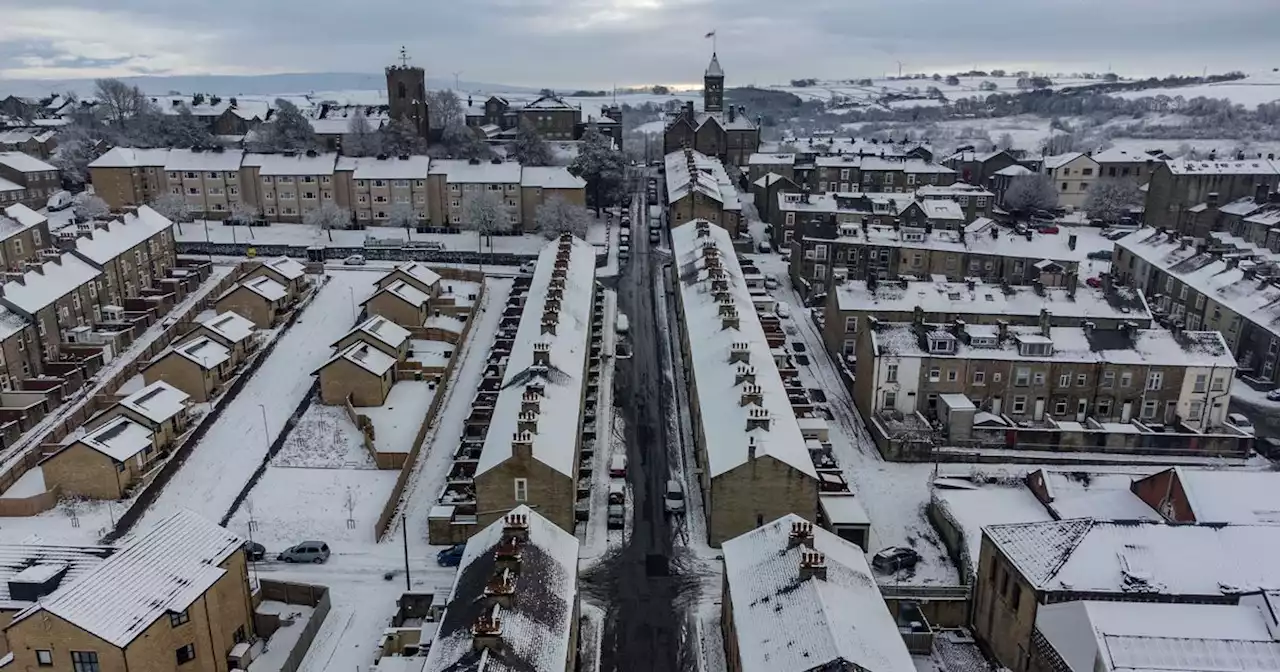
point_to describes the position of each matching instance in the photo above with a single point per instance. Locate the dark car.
(1101, 255)
(452, 556)
(894, 558)
(255, 551)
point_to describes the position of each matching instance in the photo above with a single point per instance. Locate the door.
(995, 405)
(1126, 411)
(1082, 409)
(1039, 409)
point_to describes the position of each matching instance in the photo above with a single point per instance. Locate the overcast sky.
(597, 43)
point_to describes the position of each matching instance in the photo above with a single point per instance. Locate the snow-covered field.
(337, 506)
(968, 87)
(323, 438)
(1252, 91)
(222, 463)
(397, 420)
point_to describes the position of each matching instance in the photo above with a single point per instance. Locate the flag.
(710, 34)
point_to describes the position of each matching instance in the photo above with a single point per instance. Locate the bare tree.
(173, 207)
(486, 214)
(444, 109)
(403, 215)
(361, 138)
(118, 101)
(529, 148)
(556, 216)
(400, 138)
(89, 206)
(243, 213)
(1031, 192)
(327, 217)
(1005, 141)
(288, 131)
(1112, 198)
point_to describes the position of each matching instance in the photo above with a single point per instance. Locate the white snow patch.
(397, 420)
(323, 437)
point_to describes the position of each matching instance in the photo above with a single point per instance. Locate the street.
(642, 630)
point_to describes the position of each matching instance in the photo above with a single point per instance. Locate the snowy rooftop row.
(977, 298)
(688, 171)
(981, 236)
(740, 393)
(548, 359)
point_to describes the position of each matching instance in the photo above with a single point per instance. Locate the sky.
(601, 43)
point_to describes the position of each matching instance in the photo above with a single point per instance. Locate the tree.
(486, 214)
(603, 168)
(89, 206)
(73, 154)
(660, 90)
(556, 216)
(444, 109)
(361, 139)
(184, 131)
(952, 80)
(1005, 141)
(118, 101)
(529, 148)
(173, 207)
(327, 217)
(288, 131)
(1112, 198)
(1059, 143)
(1030, 192)
(403, 215)
(242, 213)
(458, 142)
(400, 138)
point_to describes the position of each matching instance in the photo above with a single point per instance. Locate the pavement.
(642, 630)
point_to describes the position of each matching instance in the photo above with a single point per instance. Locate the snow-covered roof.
(1125, 636)
(973, 509)
(131, 157)
(164, 571)
(262, 286)
(10, 323)
(416, 270)
(223, 160)
(297, 164)
(785, 622)
(1059, 160)
(948, 298)
(535, 630)
(1016, 170)
(971, 156)
(1120, 155)
(119, 438)
(24, 163)
(382, 330)
(52, 281)
(7, 186)
(230, 325)
(843, 508)
(24, 559)
(366, 357)
(977, 238)
(204, 352)
(708, 176)
(549, 103)
(17, 136)
(551, 177)
(1151, 347)
(485, 172)
(881, 163)
(713, 349)
(414, 167)
(156, 402)
(108, 241)
(942, 209)
(560, 408)
(289, 269)
(771, 159)
(1094, 494)
(24, 217)
(1241, 497)
(405, 292)
(951, 191)
(1223, 167)
(1136, 557)
(713, 68)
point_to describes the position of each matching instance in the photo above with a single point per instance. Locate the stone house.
(24, 233)
(104, 463)
(977, 168)
(38, 179)
(699, 187)
(134, 253)
(57, 295)
(416, 274)
(21, 358)
(400, 302)
(720, 130)
(262, 300)
(160, 407)
(1179, 185)
(230, 330)
(198, 367)
(360, 372)
(1071, 174)
(127, 176)
(381, 333)
(289, 273)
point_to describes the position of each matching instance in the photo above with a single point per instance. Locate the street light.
(266, 429)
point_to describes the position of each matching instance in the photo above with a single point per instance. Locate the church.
(725, 133)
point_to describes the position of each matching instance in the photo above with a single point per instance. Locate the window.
(1064, 380)
(1104, 408)
(1086, 172)
(820, 271)
(44, 657)
(1019, 405)
(1109, 379)
(1201, 379)
(1060, 407)
(176, 619)
(820, 252)
(850, 324)
(1196, 410)
(1126, 379)
(1216, 386)
(186, 654)
(1038, 378)
(1017, 596)
(891, 399)
(1064, 186)
(1082, 380)
(952, 374)
(935, 374)
(522, 489)
(1149, 409)
(996, 377)
(1022, 376)
(891, 374)
(979, 377)
(85, 661)
(1155, 380)
(980, 201)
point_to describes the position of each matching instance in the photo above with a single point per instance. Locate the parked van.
(618, 466)
(622, 324)
(59, 201)
(617, 492)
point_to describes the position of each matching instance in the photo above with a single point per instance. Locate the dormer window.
(1035, 346)
(912, 235)
(983, 342)
(942, 344)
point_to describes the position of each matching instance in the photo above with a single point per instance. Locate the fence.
(406, 470)
(295, 593)
(365, 425)
(30, 506)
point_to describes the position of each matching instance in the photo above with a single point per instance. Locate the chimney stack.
(541, 354)
(527, 422)
(501, 588)
(751, 394)
(522, 445)
(1044, 322)
(813, 565)
(486, 630)
(801, 534)
(744, 374)
(740, 352)
(549, 323)
(1003, 326)
(751, 448)
(530, 402)
(1071, 241)
(758, 418)
(729, 317)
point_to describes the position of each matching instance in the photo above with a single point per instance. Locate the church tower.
(713, 86)
(407, 94)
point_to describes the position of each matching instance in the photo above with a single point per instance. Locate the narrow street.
(642, 631)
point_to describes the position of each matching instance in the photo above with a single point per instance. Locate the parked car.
(452, 556)
(1274, 395)
(618, 466)
(1094, 282)
(617, 517)
(60, 200)
(770, 282)
(654, 236)
(527, 267)
(782, 310)
(622, 324)
(764, 246)
(1047, 228)
(1242, 423)
(255, 551)
(1102, 255)
(673, 501)
(354, 260)
(617, 492)
(307, 551)
(894, 558)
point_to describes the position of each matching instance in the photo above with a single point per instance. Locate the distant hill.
(230, 85)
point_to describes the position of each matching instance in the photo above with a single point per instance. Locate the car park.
(894, 558)
(452, 556)
(307, 551)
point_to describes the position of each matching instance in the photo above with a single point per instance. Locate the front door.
(1126, 411)
(1082, 409)
(1039, 409)
(995, 405)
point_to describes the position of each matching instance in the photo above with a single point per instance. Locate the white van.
(622, 324)
(618, 466)
(60, 200)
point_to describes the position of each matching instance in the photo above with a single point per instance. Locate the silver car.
(307, 551)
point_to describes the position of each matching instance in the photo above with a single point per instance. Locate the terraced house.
(39, 180)
(134, 252)
(699, 187)
(23, 234)
(1178, 186)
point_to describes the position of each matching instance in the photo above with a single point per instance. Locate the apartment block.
(852, 303)
(751, 453)
(128, 176)
(286, 186)
(699, 187)
(1125, 164)
(372, 187)
(38, 179)
(1178, 186)
(209, 180)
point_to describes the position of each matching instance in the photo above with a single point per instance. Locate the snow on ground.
(1252, 91)
(70, 522)
(324, 437)
(397, 421)
(29, 484)
(301, 234)
(336, 506)
(461, 291)
(432, 354)
(222, 463)
(282, 640)
(859, 95)
(1248, 395)
(975, 509)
